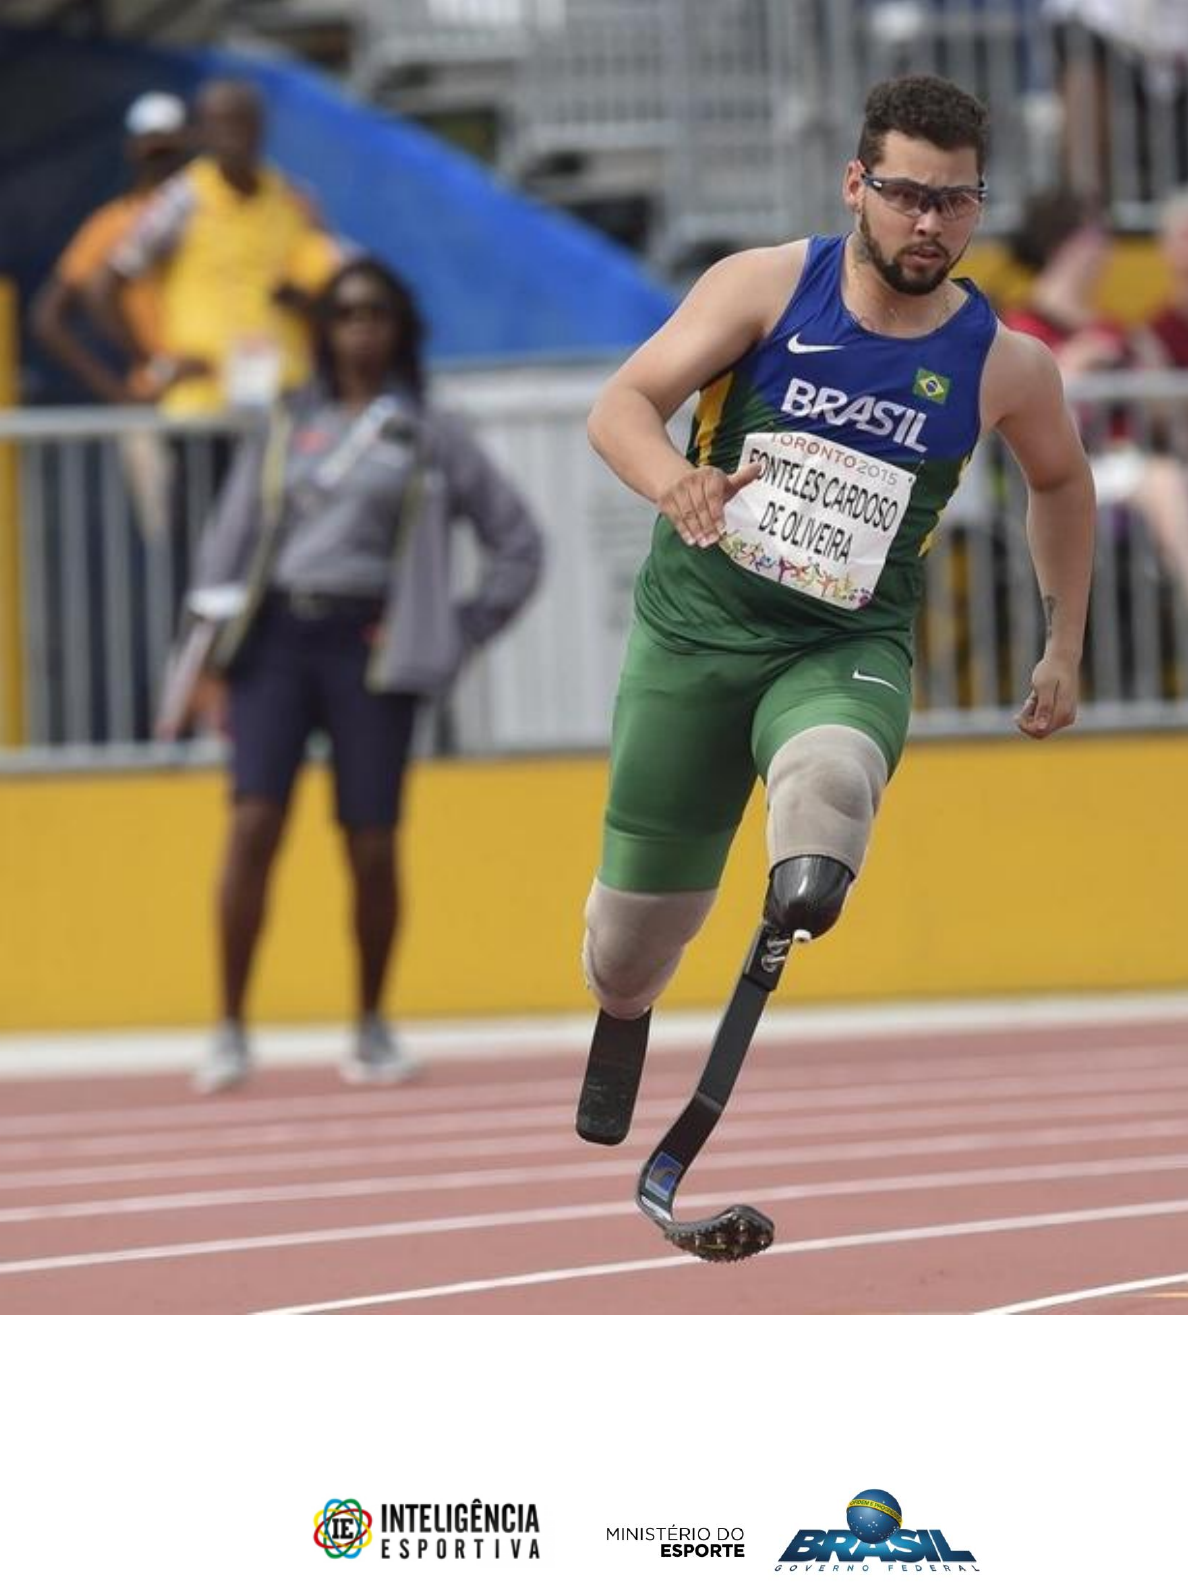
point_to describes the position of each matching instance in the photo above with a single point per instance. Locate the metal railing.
(981, 628)
(111, 503)
(103, 574)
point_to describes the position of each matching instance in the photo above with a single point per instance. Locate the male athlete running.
(844, 382)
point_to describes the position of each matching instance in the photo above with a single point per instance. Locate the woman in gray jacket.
(328, 560)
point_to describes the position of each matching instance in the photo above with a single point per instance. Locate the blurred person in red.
(1062, 239)
(157, 145)
(1168, 330)
(240, 250)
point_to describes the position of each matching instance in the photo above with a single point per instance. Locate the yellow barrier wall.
(1004, 867)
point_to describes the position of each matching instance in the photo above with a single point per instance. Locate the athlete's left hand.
(1052, 702)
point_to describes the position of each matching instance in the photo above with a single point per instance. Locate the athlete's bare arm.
(729, 310)
(1023, 398)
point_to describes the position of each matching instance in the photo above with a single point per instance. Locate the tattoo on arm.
(1049, 612)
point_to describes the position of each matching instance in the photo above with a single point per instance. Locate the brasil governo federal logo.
(874, 1531)
(342, 1529)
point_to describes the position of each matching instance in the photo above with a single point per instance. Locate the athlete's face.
(916, 210)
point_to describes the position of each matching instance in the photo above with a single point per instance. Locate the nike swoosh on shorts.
(795, 344)
(878, 680)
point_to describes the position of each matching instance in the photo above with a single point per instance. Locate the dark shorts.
(301, 673)
(693, 730)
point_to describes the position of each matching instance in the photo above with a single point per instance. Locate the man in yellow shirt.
(157, 146)
(231, 238)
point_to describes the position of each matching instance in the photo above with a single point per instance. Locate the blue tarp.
(498, 276)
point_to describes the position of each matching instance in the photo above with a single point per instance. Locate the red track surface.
(950, 1172)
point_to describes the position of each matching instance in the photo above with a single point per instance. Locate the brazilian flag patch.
(933, 387)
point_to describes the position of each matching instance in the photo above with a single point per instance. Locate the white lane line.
(538, 1146)
(558, 1175)
(984, 1227)
(813, 1082)
(141, 1051)
(1068, 1298)
(620, 1207)
(751, 1099)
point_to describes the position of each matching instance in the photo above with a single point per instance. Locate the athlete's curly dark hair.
(931, 108)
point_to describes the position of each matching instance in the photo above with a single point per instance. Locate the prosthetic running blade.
(739, 1231)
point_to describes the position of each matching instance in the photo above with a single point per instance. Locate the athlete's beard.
(892, 270)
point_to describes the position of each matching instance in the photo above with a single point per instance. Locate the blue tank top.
(861, 439)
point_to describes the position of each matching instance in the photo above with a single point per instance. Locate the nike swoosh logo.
(878, 680)
(795, 344)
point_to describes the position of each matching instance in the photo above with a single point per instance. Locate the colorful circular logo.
(342, 1529)
(874, 1515)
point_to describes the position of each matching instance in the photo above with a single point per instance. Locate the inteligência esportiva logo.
(475, 1529)
(874, 1531)
(342, 1529)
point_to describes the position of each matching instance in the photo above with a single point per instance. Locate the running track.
(949, 1171)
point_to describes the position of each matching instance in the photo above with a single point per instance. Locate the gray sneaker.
(376, 1056)
(228, 1061)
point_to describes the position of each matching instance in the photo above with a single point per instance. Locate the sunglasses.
(914, 198)
(372, 312)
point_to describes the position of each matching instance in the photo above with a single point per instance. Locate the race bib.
(820, 518)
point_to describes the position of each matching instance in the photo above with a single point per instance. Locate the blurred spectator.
(239, 253)
(1062, 239)
(63, 318)
(239, 250)
(1063, 243)
(1123, 72)
(328, 558)
(1169, 327)
(156, 147)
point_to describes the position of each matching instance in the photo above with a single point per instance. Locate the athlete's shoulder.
(781, 263)
(776, 266)
(1020, 372)
(758, 281)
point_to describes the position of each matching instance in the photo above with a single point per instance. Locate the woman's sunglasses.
(372, 312)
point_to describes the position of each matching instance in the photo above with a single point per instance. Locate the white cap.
(155, 112)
